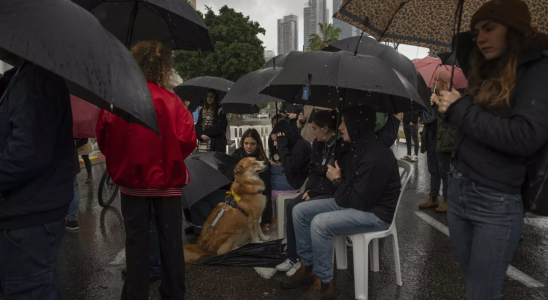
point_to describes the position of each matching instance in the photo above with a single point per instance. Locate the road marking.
(512, 271)
(120, 257)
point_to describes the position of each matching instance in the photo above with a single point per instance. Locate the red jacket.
(140, 161)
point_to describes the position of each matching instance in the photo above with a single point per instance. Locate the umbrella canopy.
(247, 89)
(426, 23)
(465, 46)
(84, 118)
(277, 61)
(195, 90)
(174, 23)
(204, 180)
(222, 162)
(431, 67)
(263, 255)
(367, 45)
(332, 77)
(67, 40)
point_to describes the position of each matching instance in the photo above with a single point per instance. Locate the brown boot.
(443, 206)
(320, 291)
(432, 202)
(304, 275)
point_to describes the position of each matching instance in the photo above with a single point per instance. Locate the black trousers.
(87, 163)
(411, 132)
(137, 214)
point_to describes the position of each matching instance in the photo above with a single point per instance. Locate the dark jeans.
(432, 159)
(444, 167)
(200, 211)
(28, 261)
(485, 227)
(290, 229)
(87, 163)
(155, 260)
(137, 214)
(411, 131)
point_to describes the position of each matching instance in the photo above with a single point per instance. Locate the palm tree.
(329, 34)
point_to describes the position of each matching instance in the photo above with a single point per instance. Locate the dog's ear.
(238, 170)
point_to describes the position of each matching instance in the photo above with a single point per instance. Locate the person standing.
(150, 170)
(72, 217)
(411, 130)
(85, 150)
(36, 178)
(211, 125)
(501, 122)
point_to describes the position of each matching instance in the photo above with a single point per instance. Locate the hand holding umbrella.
(447, 98)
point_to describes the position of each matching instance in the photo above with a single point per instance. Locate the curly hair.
(155, 61)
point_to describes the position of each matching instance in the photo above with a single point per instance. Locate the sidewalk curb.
(94, 160)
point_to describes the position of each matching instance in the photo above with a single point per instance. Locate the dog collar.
(233, 194)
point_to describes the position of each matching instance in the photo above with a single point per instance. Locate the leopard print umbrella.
(426, 23)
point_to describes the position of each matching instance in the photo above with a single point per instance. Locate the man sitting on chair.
(365, 201)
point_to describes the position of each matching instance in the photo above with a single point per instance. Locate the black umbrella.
(247, 89)
(331, 77)
(67, 40)
(277, 61)
(367, 45)
(174, 23)
(263, 255)
(195, 90)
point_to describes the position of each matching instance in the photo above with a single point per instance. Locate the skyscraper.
(268, 55)
(192, 3)
(315, 12)
(347, 30)
(288, 34)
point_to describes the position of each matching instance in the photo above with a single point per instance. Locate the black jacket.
(371, 180)
(36, 148)
(322, 155)
(295, 154)
(412, 117)
(217, 132)
(491, 150)
(240, 154)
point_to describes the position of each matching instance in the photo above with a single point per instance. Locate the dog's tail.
(192, 252)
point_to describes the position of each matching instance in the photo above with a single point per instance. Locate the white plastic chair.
(265, 143)
(243, 129)
(361, 246)
(237, 143)
(280, 210)
(234, 132)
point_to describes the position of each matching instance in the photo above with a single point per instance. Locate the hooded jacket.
(295, 154)
(371, 179)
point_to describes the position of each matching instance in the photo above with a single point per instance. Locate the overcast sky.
(267, 12)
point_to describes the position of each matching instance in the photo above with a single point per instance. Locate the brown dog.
(234, 229)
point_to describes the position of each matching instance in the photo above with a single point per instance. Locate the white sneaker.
(414, 158)
(407, 158)
(294, 269)
(285, 266)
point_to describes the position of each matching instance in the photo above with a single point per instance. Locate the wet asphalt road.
(90, 261)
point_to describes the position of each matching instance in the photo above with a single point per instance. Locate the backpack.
(389, 133)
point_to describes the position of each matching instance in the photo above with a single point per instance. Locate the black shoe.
(189, 230)
(72, 225)
(152, 278)
(90, 178)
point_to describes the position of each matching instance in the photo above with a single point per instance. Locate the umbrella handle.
(456, 45)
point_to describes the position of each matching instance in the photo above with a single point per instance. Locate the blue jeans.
(75, 203)
(278, 180)
(155, 261)
(432, 159)
(318, 221)
(485, 227)
(28, 260)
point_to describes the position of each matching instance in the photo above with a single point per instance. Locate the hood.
(285, 127)
(360, 121)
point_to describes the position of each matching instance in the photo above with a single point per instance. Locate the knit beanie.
(512, 13)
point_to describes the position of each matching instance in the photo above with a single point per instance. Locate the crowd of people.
(476, 141)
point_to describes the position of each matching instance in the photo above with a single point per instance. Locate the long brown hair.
(155, 61)
(492, 82)
(215, 104)
(254, 134)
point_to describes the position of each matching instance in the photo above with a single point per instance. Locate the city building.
(347, 30)
(193, 3)
(315, 12)
(268, 55)
(288, 34)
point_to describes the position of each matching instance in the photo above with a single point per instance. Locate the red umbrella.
(430, 69)
(84, 118)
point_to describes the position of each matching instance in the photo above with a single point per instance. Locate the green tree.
(328, 35)
(238, 50)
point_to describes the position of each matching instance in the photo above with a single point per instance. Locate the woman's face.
(491, 39)
(250, 145)
(210, 98)
(320, 132)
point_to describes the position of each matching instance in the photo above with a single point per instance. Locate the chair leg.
(397, 258)
(340, 252)
(280, 214)
(374, 255)
(360, 251)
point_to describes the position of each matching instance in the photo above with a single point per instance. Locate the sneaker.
(414, 158)
(293, 269)
(89, 179)
(72, 225)
(407, 158)
(285, 266)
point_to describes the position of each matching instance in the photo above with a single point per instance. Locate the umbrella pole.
(131, 24)
(460, 8)
(358, 45)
